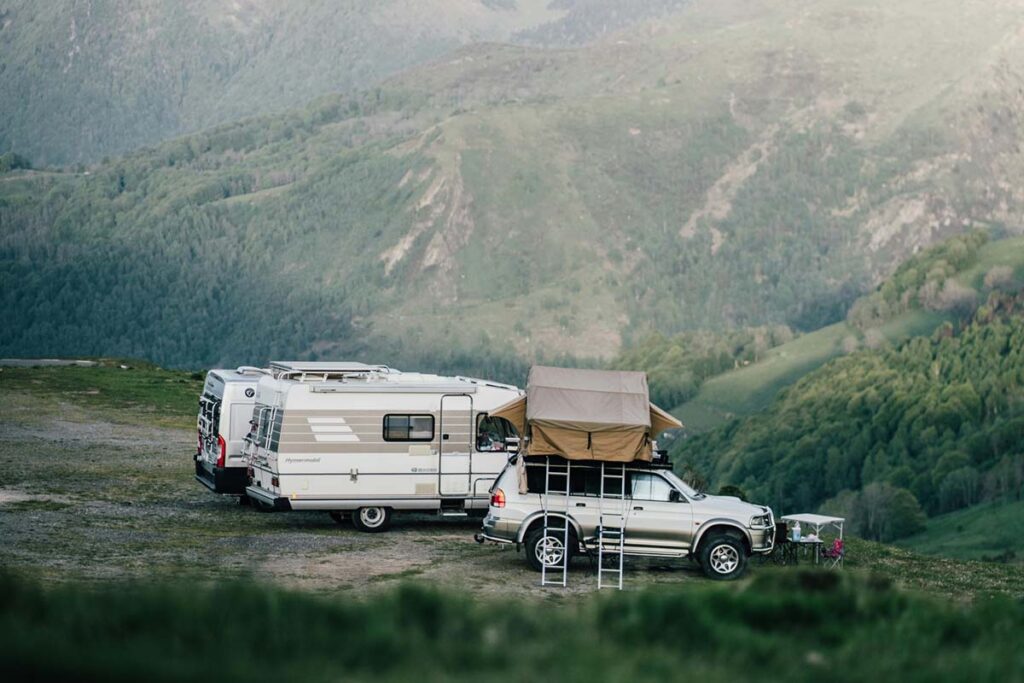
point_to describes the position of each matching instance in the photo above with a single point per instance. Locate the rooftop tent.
(587, 414)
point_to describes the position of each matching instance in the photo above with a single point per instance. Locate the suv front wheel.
(723, 557)
(552, 553)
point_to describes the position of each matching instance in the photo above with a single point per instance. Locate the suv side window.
(584, 479)
(650, 486)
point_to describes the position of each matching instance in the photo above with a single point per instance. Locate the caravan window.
(491, 433)
(408, 427)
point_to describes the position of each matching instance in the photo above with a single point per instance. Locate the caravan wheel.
(372, 519)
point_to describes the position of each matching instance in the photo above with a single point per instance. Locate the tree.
(884, 512)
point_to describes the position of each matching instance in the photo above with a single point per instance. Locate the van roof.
(242, 374)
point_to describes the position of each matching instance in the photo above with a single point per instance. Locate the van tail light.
(498, 498)
(223, 451)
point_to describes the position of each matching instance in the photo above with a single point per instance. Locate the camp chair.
(783, 550)
(833, 557)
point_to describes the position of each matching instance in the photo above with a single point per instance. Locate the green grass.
(164, 397)
(785, 625)
(987, 531)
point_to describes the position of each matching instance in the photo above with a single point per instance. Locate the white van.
(370, 440)
(225, 410)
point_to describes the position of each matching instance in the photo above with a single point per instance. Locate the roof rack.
(303, 370)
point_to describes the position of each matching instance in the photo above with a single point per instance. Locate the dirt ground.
(91, 495)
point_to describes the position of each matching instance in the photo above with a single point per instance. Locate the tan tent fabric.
(661, 420)
(587, 399)
(587, 414)
(521, 476)
(515, 412)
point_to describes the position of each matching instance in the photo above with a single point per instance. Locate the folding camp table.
(817, 523)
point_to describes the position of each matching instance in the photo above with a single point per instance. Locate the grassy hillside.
(749, 389)
(791, 627)
(989, 531)
(721, 166)
(97, 78)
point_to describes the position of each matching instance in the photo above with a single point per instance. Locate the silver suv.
(664, 517)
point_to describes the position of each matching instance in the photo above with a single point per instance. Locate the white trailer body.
(225, 410)
(379, 440)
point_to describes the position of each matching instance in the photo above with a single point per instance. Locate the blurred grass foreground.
(797, 626)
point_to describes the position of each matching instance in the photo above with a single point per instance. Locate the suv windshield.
(683, 486)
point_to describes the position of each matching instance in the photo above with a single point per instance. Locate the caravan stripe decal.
(331, 430)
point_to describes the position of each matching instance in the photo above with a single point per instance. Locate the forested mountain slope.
(81, 79)
(937, 419)
(726, 166)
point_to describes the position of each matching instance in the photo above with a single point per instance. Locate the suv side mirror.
(675, 496)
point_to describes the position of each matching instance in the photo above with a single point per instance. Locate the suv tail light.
(498, 498)
(223, 451)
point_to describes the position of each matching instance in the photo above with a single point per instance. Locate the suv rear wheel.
(723, 557)
(372, 519)
(548, 549)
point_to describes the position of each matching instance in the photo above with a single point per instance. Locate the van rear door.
(208, 425)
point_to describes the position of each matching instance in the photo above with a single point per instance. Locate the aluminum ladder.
(611, 532)
(556, 484)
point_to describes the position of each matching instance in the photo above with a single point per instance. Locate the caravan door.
(456, 430)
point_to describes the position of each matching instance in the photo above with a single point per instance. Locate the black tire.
(723, 557)
(535, 538)
(338, 516)
(372, 519)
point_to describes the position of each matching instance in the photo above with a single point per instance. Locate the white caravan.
(369, 440)
(225, 410)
